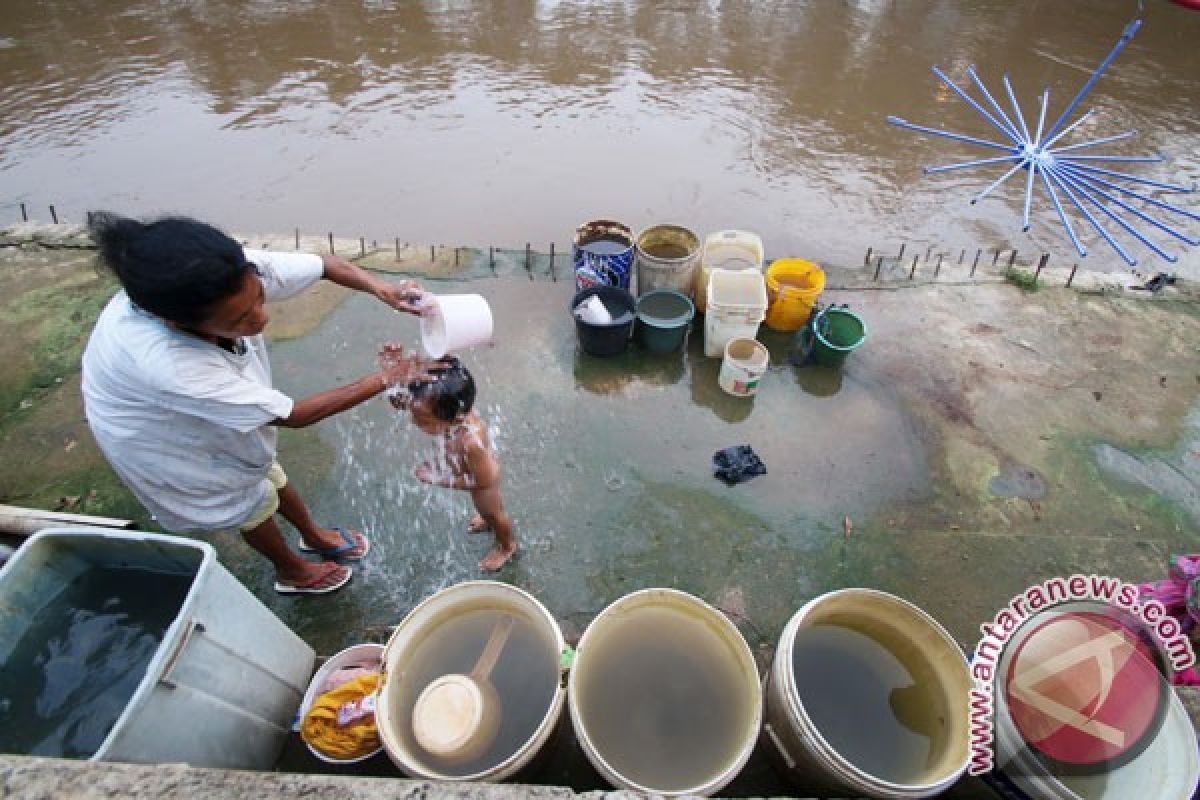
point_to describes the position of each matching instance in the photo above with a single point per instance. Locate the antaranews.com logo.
(1076, 665)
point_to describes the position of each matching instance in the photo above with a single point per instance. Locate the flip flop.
(350, 541)
(315, 586)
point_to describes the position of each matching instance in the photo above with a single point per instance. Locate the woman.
(177, 386)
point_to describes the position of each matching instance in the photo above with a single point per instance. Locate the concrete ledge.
(28, 778)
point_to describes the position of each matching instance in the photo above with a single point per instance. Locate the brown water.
(525, 678)
(502, 123)
(876, 703)
(662, 697)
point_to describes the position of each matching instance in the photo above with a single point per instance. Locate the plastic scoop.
(456, 717)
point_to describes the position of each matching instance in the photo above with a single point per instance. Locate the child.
(441, 405)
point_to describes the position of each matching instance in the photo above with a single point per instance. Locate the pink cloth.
(1180, 595)
(343, 675)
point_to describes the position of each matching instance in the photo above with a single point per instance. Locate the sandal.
(350, 543)
(331, 578)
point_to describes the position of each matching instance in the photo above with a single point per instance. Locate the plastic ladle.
(456, 717)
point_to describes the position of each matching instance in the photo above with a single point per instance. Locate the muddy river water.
(506, 122)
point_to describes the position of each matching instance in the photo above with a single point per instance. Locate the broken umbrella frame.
(1062, 170)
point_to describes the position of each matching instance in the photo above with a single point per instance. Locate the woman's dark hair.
(174, 267)
(450, 389)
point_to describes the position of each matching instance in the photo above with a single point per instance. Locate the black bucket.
(610, 339)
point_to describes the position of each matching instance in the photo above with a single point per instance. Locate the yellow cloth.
(320, 728)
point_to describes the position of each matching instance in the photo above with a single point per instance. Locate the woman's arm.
(403, 296)
(313, 409)
(397, 370)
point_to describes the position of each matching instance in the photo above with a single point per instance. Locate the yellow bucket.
(793, 286)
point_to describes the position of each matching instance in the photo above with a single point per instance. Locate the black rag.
(736, 464)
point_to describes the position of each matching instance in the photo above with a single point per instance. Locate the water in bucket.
(680, 717)
(524, 678)
(72, 673)
(876, 707)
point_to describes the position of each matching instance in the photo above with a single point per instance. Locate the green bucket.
(837, 333)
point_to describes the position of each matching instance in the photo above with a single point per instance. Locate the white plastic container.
(223, 686)
(744, 365)
(737, 304)
(351, 656)
(732, 250)
(458, 321)
(720, 673)
(420, 628)
(796, 743)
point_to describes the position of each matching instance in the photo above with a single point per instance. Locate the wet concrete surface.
(982, 440)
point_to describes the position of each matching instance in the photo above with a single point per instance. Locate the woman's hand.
(425, 473)
(398, 369)
(406, 296)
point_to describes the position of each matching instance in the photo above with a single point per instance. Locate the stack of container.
(729, 250)
(736, 305)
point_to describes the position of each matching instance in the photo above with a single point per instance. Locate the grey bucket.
(667, 256)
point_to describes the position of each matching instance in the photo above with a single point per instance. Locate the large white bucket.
(1167, 769)
(737, 304)
(224, 681)
(744, 365)
(534, 648)
(698, 674)
(918, 642)
(457, 321)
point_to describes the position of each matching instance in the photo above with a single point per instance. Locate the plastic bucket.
(793, 286)
(812, 754)
(663, 317)
(836, 333)
(457, 321)
(737, 302)
(603, 252)
(744, 365)
(220, 689)
(1168, 767)
(351, 656)
(607, 339)
(729, 250)
(667, 256)
(664, 695)
(445, 634)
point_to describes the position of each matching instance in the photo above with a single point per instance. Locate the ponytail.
(174, 267)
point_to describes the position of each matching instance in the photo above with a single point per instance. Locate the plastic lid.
(448, 715)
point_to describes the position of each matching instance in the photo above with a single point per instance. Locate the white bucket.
(704, 646)
(918, 641)
(537, 636)
(737, 304)
(729, 250)
(1167, 769)
(744, 365)
(355, 655)
(457, 321)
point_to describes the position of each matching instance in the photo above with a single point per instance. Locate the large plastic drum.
(664, 695)
(868, 695)
(444, 637)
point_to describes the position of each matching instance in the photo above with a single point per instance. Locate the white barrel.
(1168, 767)
(682, 668)
(744, 365)
(916, 640)
(534, 648)
(458, 321)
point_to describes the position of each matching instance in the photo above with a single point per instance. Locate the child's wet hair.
(450, 389)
